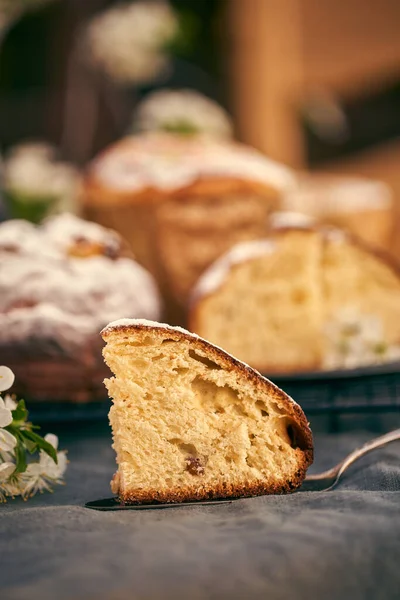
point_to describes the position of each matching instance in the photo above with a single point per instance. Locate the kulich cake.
(182, 201)
(60, 283)
(362, 206)
(190, 422)
(305, 298)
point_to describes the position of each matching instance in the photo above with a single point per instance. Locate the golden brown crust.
(303, 435)
(196, 493)
(95, 193)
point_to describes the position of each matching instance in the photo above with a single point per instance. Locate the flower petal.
(7, 441)
(9, 402)
(6, 469)
(5, 417)
(6, 378)
(52, 439)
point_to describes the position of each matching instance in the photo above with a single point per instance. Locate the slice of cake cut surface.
(304, 298)
(190, 422)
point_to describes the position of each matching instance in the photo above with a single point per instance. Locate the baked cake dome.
(364, 207)
(60, 283)
(182, 201)
(305, 298)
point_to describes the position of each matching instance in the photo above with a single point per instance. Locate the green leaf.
(41, 443)
(182, 127)
(14, 429)
(20, 414)
(183, 42)
(20, 457)
(30, 446)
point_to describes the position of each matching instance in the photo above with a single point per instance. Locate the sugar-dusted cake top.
(170, 162)
(216, 274)
(67, 281)
(328, 194)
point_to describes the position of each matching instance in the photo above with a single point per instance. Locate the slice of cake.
(306, 298)
(190, 422)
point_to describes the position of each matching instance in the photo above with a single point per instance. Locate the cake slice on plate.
(190, 422)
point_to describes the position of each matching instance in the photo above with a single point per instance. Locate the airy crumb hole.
(147, 341)
(158, 357)
(181, 370)
(183, 447)
(204, 360)
(277, 409)
(262, 408)
(296, 436)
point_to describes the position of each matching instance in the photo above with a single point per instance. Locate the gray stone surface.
(340, 544)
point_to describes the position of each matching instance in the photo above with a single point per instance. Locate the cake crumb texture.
(287, 310)
(190, 422)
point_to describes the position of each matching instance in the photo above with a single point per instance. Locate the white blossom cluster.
(35, 476)
(32, 170)
(355, 340)
(128, 41)
(182, 111)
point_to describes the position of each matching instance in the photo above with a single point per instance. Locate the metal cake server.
(328, 479)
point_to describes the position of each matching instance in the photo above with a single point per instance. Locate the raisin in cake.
(191, 422)
(60, 283)
(304, 298)
(182, 201)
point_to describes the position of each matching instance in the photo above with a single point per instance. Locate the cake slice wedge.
(190, 422)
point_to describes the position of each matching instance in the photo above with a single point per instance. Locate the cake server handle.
(328, 479)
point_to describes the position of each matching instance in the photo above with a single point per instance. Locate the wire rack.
(364, 389)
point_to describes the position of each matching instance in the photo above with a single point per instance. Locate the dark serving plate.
(348, 390)
(64, 412)
(365, 388)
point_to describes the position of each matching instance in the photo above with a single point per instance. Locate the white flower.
(9, 402)
(182, 111)
(39, 476)
(7, 441)
(33, 170)
(354, 339)
(7, 378)
(6, 469)
(128, 40)
(5, 416)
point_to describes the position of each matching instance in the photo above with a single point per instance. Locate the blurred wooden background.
(283, 51)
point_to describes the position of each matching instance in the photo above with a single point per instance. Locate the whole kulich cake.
(305, 298)
(182, 201)
(362, 206)
(60, 283)
(190, 422)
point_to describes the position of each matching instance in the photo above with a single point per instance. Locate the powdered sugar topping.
(170, 162)
(216, 274)
(321, 196)
(44, 289)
